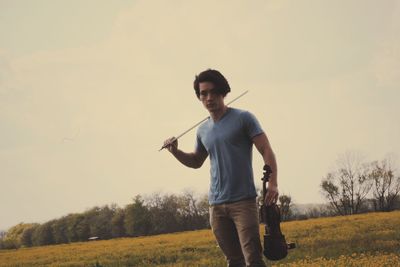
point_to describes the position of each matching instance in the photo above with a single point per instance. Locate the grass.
(360, 240)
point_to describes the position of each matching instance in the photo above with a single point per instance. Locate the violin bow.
(191, 128)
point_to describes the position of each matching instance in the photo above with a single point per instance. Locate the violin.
(275, 246)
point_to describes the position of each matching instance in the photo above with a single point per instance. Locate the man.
(228, 137)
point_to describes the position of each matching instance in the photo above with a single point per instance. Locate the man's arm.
(192, 160)
(263, 146)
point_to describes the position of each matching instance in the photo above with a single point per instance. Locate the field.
(360, 240)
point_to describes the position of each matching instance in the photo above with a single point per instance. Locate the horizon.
(89, 90)
(86, 209)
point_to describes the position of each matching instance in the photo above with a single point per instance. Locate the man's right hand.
(171, 144)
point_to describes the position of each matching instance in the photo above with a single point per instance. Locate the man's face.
(210, 98)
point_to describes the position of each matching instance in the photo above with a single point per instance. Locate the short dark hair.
(215, 77)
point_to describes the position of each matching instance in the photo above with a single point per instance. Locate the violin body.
(275, 246)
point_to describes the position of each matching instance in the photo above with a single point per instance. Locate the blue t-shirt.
(229, 145)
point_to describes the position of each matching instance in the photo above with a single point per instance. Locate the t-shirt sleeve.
(199, 147)
(251, 125)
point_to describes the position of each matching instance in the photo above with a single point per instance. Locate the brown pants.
(236, 228)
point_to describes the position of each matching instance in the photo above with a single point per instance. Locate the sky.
(90, 89)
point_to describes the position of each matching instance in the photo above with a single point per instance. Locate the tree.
(78, 228)
(13, 237)
(117, 223)
(169, 217)
(42, 235)
(60, 230)
(26, 238)
(191, 211)
(165, 215)
(348, 186)
(137, 218)
(99, 221)
(204, 209)
(386, 186)
(285, 205)
(331, 193)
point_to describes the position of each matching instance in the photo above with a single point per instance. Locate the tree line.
(355, 186)
(156, 214)
(358, 186)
